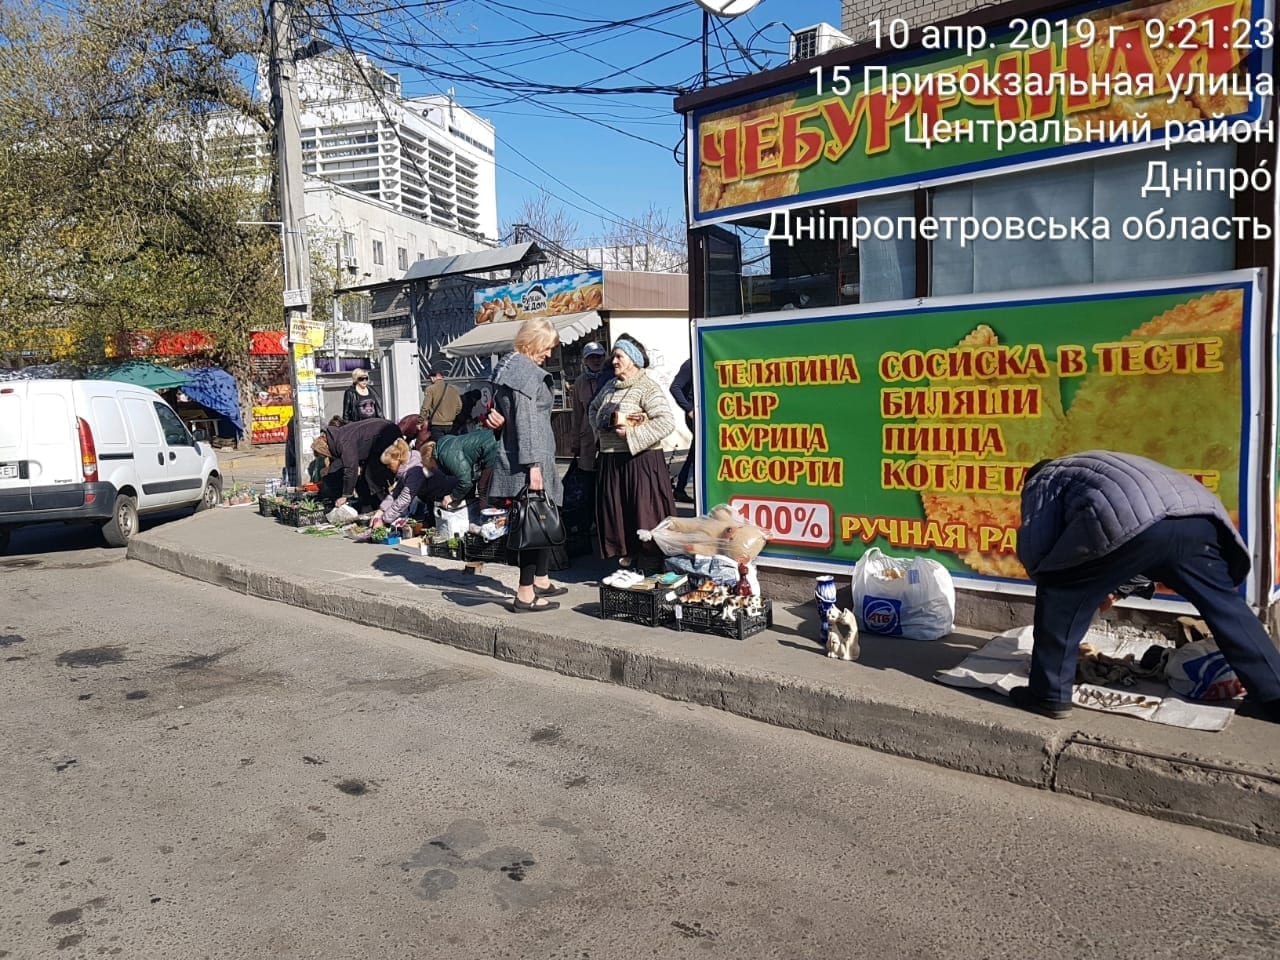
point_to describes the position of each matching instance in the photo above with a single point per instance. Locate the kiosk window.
(750, 269)
(1110, 187)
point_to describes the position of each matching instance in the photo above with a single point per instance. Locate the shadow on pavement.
(75, 544)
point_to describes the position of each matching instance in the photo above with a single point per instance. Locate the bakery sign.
(554, 296)
(1092, 82)
(911, 429)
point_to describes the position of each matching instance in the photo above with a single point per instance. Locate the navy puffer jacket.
(1080, 508)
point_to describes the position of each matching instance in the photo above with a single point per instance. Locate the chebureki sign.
(1090, 78)
(912, 430)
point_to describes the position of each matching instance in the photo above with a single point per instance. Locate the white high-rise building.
(425, 156)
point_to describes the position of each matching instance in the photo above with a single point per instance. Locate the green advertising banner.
(911, 429)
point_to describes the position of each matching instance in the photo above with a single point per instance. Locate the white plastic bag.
(903, 598)
(1199, 671)
(343, 514)
(452, 523)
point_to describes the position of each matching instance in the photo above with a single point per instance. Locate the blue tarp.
(214, 389)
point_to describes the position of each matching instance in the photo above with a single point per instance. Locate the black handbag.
(534, 522)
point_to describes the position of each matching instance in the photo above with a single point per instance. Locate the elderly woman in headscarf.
(631, 416)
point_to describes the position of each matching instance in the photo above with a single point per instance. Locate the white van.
(96, 451)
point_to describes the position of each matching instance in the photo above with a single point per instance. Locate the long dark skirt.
(632, 493)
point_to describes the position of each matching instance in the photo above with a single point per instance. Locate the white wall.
(333, 210)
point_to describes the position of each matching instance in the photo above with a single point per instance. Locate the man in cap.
(1091, 522)
(441, 404)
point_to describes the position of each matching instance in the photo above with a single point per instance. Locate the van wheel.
(212, 495)
(123, 523)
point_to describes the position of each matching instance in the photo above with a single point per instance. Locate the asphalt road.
(187, 773)
(66, 545)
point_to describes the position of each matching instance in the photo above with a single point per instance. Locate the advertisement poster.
(555, 296)
(943, 112)
(271, 423)
(911, 429)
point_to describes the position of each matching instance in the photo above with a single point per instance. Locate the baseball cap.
(594, 349)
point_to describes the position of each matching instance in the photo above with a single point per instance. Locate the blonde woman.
(631, 417)
(359, 401)
(412, 480)
(527, 447)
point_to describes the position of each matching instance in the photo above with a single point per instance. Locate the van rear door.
(53, 438)
(15, 481)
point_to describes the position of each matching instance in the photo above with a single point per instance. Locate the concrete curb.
(1239, 802)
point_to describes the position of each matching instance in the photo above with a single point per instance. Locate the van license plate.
(8, 471)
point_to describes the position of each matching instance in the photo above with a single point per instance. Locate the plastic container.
(477, 548)
(704, 618)
(648, 607)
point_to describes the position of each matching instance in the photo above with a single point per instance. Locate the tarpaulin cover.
(215, 389)
(141, 374)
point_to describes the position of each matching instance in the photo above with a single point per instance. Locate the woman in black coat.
(359, 401)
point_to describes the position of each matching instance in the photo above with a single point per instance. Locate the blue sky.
(583, 161)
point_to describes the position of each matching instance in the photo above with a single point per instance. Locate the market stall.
(904, 299)
(596, 305)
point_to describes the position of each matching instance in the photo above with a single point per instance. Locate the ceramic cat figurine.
(842, 635)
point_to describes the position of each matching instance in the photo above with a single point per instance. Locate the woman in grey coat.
(527, 447)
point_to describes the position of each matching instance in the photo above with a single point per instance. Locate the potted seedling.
(308, 512)
(239, 494)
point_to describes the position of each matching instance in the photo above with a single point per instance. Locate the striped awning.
(486, 339)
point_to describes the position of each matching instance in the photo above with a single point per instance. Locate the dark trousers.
(1184, 553)
(682, 481)
(533, 564)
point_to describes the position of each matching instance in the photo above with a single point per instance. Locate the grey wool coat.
(1080, 508)
(522, 394)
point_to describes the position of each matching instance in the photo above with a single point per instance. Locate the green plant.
(309, 505)
(379, 535)
(454, 542)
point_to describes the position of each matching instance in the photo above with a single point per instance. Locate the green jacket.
(466, 457)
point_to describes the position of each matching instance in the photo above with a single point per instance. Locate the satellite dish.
(727, 8)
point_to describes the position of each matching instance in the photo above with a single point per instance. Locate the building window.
(749, 273)
(421, 255)
(402, 258)
(379, 257)
(349, 245)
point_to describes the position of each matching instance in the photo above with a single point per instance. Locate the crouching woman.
(412, 481)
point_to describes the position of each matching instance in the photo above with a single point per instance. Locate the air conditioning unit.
(351, 263)
(814, 41)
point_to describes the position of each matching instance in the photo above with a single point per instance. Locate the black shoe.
(1022, 697)
(682, 496)
(1268, 710)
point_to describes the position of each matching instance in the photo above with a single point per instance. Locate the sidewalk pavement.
(250, 466)
(1228, 782)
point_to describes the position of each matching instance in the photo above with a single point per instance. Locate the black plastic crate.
(477, 549)
(635, 606)
(292, 515)
(704, 618)
(268, 506)
(442, 550)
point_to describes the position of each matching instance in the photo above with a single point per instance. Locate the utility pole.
(297, 260)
